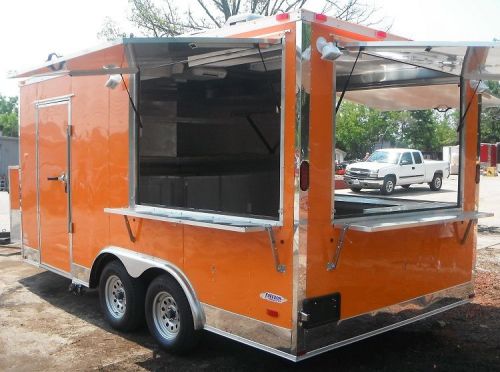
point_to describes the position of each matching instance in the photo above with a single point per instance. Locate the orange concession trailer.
(191, 180)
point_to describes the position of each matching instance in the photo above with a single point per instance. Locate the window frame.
(189, 213)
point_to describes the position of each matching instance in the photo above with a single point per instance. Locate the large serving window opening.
(209, 136)
(395, 118)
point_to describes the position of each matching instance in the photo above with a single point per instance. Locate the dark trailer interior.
(209, 134)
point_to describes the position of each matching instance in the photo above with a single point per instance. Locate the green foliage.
(8, 115)
(359, 128)
(490, 117)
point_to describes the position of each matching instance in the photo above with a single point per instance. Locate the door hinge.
(70, 130)
(71, 228)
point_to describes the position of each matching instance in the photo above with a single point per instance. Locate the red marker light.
(282, 16)
(272, 313)
(304, 175)
(320, 17)
(381, 34)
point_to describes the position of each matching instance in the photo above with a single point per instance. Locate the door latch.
(61, 178)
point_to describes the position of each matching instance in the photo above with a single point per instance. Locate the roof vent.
(241, 18)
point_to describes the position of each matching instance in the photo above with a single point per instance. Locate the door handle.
(62, 178)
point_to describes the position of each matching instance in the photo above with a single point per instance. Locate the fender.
(137, 263)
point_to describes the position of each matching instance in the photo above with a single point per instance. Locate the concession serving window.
(409, 78)
(207, 132)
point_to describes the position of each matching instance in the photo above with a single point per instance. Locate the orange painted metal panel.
(27, 165)
(90, 167)
(14, 195)
(230, 270)
(52, 157)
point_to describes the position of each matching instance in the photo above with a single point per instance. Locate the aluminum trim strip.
(248, 330)
(395, 222)
(80, 274)
(30, 254)
(254, 344)
(55, 270)
(205, 220)
(381, 330)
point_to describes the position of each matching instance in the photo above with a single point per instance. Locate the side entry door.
(53, 149)
(407, 169)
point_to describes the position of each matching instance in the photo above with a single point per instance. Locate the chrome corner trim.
(324, 338)
(301, 146)
(137, 263)
(249, 331)
(30, 254)
(80, 274)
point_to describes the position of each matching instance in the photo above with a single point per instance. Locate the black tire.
(356, 189)
(388, 186)
(436, 183)
(169, 316)
(121, 297)
(405, 186)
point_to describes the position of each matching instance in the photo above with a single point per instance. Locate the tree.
(490, 117)
(9, 116)
(161, 18)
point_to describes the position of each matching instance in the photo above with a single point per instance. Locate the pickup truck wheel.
(121, 297)
(436, 182)
(355, 189)
(169, 316)
(388, 185)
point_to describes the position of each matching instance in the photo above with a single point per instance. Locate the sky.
(32, 29)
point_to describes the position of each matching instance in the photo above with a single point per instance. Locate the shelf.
(213, 221)
(415, 219)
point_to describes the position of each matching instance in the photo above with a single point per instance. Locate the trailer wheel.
(121, 297)
(436, 183)
(388, 186)
(169, 316)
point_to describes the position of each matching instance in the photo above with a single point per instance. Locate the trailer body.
(297, 282)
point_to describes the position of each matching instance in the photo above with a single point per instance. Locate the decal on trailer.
(273, 297)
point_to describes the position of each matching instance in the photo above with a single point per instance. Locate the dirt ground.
(45, 327)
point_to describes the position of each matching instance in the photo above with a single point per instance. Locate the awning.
(128, 55)
(409, 75)
(471, 60)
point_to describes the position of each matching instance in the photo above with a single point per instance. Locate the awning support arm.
(462, 119)
(347, 81)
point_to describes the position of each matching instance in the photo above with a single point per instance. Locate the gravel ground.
(44, 327)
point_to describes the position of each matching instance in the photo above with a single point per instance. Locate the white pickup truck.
(387, 168)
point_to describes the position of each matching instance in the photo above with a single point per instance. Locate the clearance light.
(381, 34)
(282, 17)
(304, 175)
(320, 17)
(273, 313)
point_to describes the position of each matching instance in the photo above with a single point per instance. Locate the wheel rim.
(116, 300)
(389, 186)
(166, 315)
(437, 182)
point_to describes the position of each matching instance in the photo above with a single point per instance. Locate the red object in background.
(488, 154)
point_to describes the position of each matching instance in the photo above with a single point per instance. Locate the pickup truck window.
(417, 157)
(384, 157)
(406, 159)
